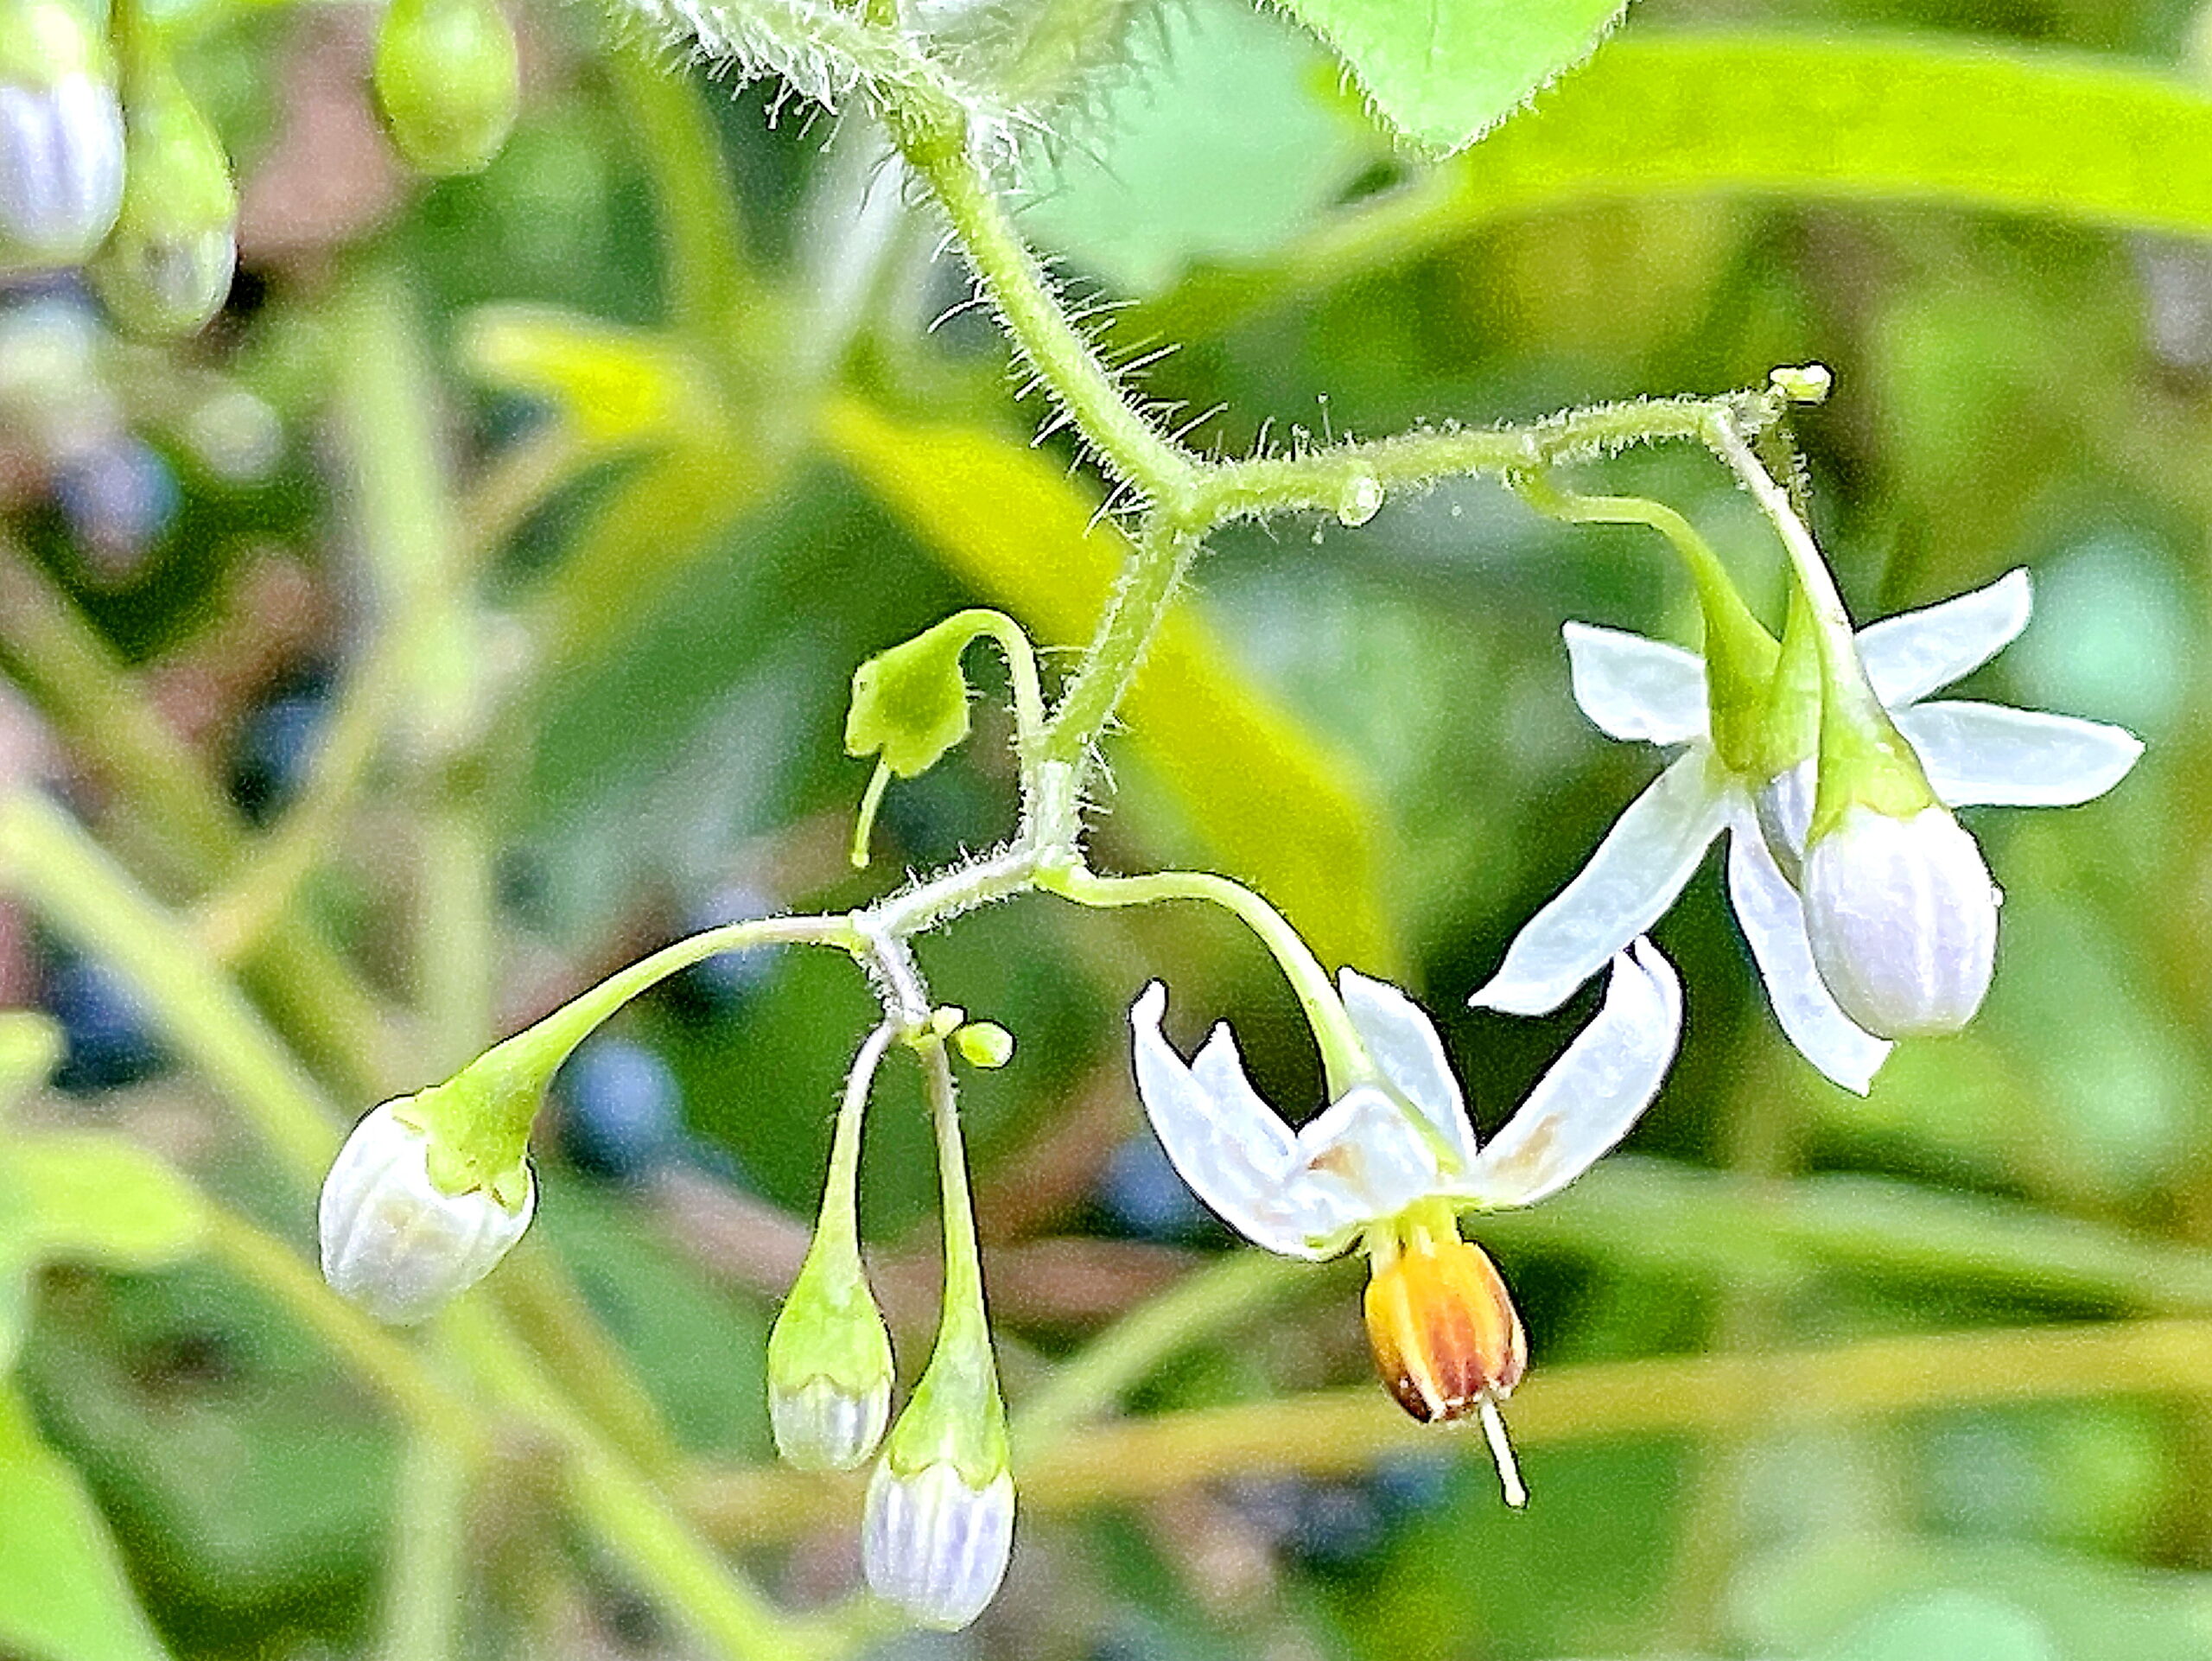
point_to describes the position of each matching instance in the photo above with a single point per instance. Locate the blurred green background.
(656, 403)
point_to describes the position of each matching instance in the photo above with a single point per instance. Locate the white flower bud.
(823, 1425)
(1902, 920)
(935, 1546)
(61, 167)
(396, 1245)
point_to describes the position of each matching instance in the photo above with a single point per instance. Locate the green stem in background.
(704, 257)
(70, 881)
(1205, 1306)
(1343, 1055)
(426, 1572)
(49, 649)
(1342, 1432)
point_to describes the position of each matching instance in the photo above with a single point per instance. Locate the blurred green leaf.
(63, 1596)
(614, 387)
(1444, 72)
(1977, 125)
(101, 1201)
(30, 1049)
(1217, 79)
(1280, 811)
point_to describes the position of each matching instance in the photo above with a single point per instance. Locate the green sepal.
(478, 1123)
(830, 1327)
(1790, 722)
(911, 703)
(449, 81)
(955, 1415)
(165, 267)
(1864, 760)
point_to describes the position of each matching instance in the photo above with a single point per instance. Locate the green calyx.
(910, 704)
(1864, 760)
(955, 1415)
(830, 1327)
(448, 80)
(42, 42)
(478, 1123)
(165, 267)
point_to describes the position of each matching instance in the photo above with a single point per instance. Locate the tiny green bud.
(166, 268)
(1806, 383)
(448, 80)
(984, 1044)
(829, 1361)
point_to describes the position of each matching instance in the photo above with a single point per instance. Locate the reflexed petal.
(1593, 1093)
(1984, 754)
(1363, 1158)
(1910, 655)
(1774, 922)
(1627, 886)
(1228, 1145)
(1633, 688)
(1403, 1042)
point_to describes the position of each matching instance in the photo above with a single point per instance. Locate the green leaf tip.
(1443, 73)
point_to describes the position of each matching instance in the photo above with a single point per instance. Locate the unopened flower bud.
(61, 144)
(166, 268)
(936, 1543)
(397, 1244)
(1902, 917)
(448, 78)
(828, 1363)
(984, 1044)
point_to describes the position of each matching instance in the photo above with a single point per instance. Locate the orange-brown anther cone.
(1444, 1329)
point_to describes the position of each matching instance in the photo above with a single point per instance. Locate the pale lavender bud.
(1902, 917)
(825, 1425)
(933, 1545)
(61, 167)
(396, 1243)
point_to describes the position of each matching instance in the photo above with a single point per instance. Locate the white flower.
(934, 1545)
(1974, 754)
(1395, 1158)
(1902, 919)
(396, 1243)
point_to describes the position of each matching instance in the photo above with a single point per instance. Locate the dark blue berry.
(277, 746)
(621, 1110)
(1146, 1196)
(109, 1043)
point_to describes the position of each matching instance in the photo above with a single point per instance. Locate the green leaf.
(1012, 526)
(616, 388)
(1444, 72)
(1973, 125)
(30, 1049)
(95, 1197)
(63, 1594)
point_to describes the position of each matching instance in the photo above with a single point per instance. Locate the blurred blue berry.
(276, 745)
(109, 1043)
(1144, 1194)
(120, 499)
(1316, 1524)
(621, 1110)
(720, 985)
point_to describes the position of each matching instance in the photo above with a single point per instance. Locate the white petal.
(1363, 1158)
(1774, 922)
(1229, 1146)
(1402, 1039)
(1981, 754)
(1593, 1093)
(1633, 688)
(1910, 655)
(934, 1546)
(1627, 886)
